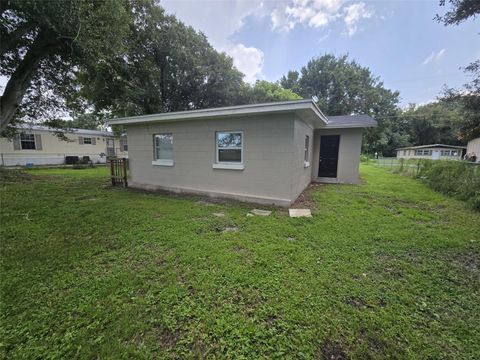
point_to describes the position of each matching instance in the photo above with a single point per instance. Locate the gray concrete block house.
(264, 153)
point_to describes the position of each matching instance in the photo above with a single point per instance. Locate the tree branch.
(17, 85)
(12, 40)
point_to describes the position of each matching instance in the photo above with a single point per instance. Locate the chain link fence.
(411, 167)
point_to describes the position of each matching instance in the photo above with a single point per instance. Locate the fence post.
(124, 161)
(112, 172)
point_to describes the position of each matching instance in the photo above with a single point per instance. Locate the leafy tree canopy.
(469, 96)
(468, 100)
(106, 58)
(342, 86)
(460, 10)
(167, 66)
(264, 91)
(436, 122)
(45, 43)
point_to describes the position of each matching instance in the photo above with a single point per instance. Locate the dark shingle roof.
(345, 121)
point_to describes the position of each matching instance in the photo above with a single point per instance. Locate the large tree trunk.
(20, 80)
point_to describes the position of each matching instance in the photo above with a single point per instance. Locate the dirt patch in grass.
(9, 176)
(271, 320)
(304, 200)
(241, 250)
(221, 226)
(374, 344)
(392, 209)
(357, 303)
(393, 271)
(167, 338)
(229, 229)
(468, 260)
(332, 350)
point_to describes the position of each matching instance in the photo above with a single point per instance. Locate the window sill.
(306, 164)
(228, 166)
(162, 162)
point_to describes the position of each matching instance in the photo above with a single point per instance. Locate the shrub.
(364, 158)
(453, 178)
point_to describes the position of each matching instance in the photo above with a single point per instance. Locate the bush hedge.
(455, 178)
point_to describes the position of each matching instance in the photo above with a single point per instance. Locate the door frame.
(316, 152)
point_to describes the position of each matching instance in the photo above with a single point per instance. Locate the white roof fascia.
(67, 131)
(302, 107)
(349, 126)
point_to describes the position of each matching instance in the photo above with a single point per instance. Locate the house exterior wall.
(301, 171)
(348, 155)
(53, 150)
(411, 153)
(268, 153)
(474, 147)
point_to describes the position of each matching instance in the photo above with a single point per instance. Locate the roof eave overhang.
(350, 126)
(66, 131)
(313, 116)
(306, 110)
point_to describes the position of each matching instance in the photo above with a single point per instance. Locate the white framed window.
(27, 142)
(229, 147)
(229, 150)
(87, 140)
(423, 152)
(123, 143)
(163, 149)
(306, 155)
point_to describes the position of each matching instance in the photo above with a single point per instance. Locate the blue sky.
(398, 40)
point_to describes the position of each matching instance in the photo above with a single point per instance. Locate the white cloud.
(280, 20)
(248, 60)
(318, 14)
(353, 14)
(313, 13)
(434, 56)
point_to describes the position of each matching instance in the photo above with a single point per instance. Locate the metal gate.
(118, 171)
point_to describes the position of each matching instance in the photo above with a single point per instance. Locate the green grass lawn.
(386, 269)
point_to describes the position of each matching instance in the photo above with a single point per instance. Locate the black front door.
(328, 156)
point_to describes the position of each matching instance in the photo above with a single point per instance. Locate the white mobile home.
(433, 152)
(39, 145)
(265, 153)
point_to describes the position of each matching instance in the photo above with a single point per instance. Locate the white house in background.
(433, 152)
(473, 148)
(38, 145)
(265, 153)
